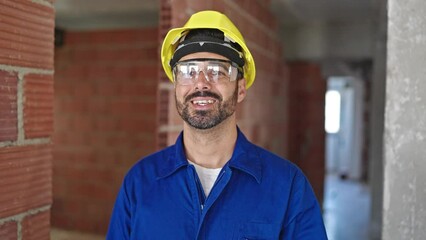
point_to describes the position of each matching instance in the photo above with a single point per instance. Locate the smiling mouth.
(203, 102)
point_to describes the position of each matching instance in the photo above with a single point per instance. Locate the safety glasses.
(215, 71)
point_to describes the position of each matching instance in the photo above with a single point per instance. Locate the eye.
(193, 71)
(213, 72)
(217, 71)
(180, 70)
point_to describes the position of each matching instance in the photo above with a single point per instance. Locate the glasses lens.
(184, 73)
(215, 71)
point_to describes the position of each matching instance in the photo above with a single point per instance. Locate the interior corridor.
(346, 209)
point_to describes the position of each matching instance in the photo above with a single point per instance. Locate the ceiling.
(86, 14)
(309, 28)
(99, 14)
(290, 12)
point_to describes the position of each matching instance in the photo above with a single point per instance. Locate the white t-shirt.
(207, 176)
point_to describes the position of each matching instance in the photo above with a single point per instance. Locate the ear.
(242, 90)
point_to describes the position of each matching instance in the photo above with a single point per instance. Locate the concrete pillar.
(404, 196)
(375, 175)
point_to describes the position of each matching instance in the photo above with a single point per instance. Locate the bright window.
(332, 111)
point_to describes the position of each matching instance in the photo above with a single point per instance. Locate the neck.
(211, 148)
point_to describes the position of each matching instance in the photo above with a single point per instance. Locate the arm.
(304, 220)
(120, 223)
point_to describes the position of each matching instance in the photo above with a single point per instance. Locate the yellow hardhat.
(207, 20)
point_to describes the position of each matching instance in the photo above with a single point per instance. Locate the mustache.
(202, 94)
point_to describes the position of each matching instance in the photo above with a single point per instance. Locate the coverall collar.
(244, 158)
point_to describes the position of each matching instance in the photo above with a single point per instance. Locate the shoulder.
(148, 167)
(286, 176)
(272, 160)
(263, 158)
(277, 167)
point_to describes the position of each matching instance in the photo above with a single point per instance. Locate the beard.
(206, 119)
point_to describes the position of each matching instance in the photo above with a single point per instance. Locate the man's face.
(204, 104)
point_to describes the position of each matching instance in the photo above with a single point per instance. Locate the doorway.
(346, 196)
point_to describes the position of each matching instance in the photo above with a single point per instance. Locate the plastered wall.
(404, 198)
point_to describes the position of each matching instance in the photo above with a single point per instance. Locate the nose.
(201, 82)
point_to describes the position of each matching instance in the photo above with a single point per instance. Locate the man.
(213, 183)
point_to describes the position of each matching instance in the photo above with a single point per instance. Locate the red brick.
(131, 106)
(73, 72)
(72, 106)
(36, 227)
(104, 110)
(27, 34)
(25, 178)
(63, 88)
(108, 89)
(105, 124)
(102, 177)
(82, 123)
(117, 55)
(138, 89)
(38, 105)
(219, 6)
(8, 106)
(9, 231)
(83, 89)
(61, 122)
(100, 73)
(145, 144)
(67, 157)
(306, 121)
(112, 37)
(77, 138)
(91, 191)
(136, 124)
(64, 206)
(98, 106)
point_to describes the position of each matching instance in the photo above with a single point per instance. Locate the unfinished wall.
(306, 122)
(105, 120)
(262, 116)
(376, 123)
(404, 204)
(26, 118)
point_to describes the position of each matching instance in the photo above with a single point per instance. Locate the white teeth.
(203, 102)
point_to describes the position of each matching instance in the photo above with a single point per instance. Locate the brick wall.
(262, 116)
(306, 122)
(164, 86)
(26, 118)
(105, 120)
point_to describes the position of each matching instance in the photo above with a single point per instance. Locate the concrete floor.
(59, 234)
(346, 209)
(346, 213)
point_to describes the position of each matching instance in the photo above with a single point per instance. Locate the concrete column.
(404, 203)
(378, 87)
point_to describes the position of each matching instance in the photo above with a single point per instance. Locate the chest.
(237, 207)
